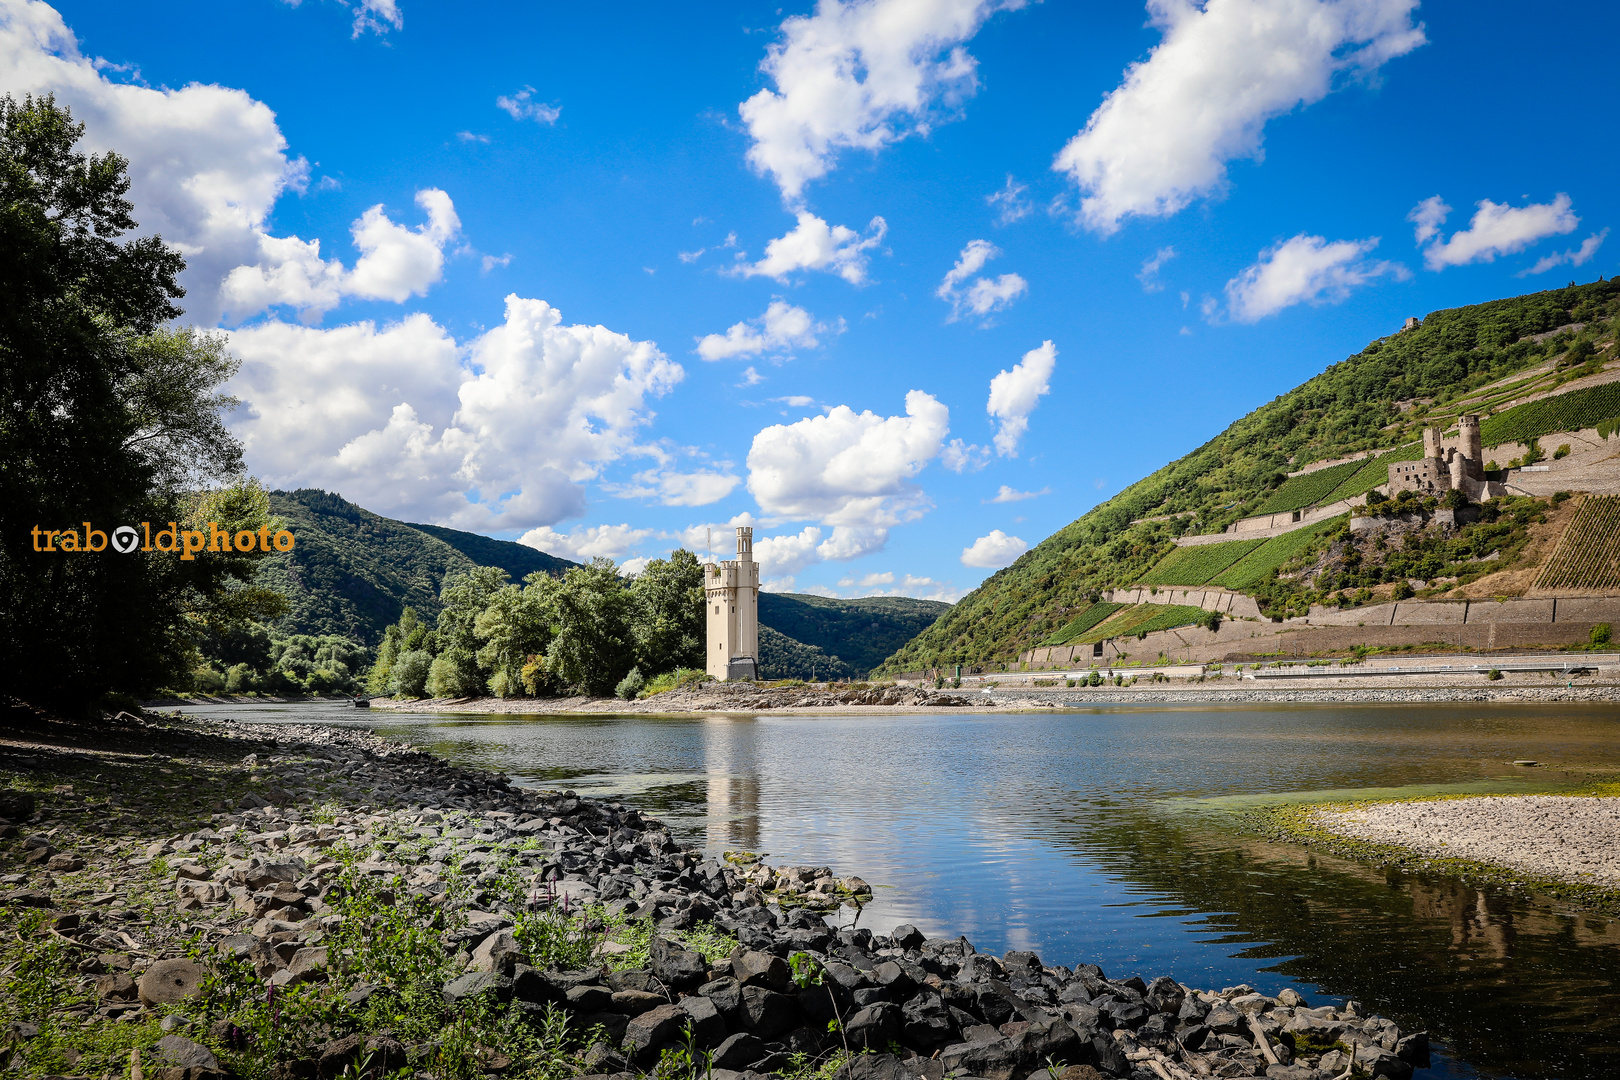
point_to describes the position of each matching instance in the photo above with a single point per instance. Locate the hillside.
(352, 572)
(1379, 399)
(860, 633)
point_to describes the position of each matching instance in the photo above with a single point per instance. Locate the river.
(1103, 836)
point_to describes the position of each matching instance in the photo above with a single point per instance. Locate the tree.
(593, 644)
(464, 596)
(670, 628)
(513, 627)
(104, 418)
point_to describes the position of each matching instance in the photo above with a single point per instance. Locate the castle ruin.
(731, 591)
(1459, 467)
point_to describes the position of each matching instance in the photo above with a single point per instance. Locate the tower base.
(742, 667)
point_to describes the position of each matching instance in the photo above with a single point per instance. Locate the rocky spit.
(256, 878)
(1561, 837)
(711, 697)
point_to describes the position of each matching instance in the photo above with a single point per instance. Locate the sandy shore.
(1562, 837)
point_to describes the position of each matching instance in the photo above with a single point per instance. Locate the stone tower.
(1469, 443)
(731, 596)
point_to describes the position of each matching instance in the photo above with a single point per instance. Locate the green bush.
(1601, 633)
(630, 686)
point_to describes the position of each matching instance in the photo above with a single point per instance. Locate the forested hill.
(860, 633)
(352, 572)
(1381, 397)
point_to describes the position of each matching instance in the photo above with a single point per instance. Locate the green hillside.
(352, 572)
(1380, 398)
(781, 657)
(858, 632)
(518, 560)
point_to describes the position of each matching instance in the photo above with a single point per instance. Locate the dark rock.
(767, 1013)
(1225, 1020)
(1414, 1049)
(762, 969)
(1156, 1029)
(1108, 1057)
(878, 1067)
(16, 805)
(531, 986)
(1043, 1042)
(115, 987)
(678, 967)
(895, 979)
(874, 1027)
(1191, 1012)
(725, 993)
(1165, 995)
(337, 1055)
(1192, 1037)
(635, 1002)
(738, 1052)
(475, 983)
(925, 1022)
(824, 1003)
(708, 1027)
(990, 1004)
(907, 936)
(589, 998)
(1380, 1062)
(634, 979)
(995, 1059)
(1026, 964)
(654, 1028)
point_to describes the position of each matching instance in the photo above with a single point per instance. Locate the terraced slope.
(1588, 554)
(1363, 402)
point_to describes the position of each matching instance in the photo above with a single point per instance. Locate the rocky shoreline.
(193, 900)
(734, 697)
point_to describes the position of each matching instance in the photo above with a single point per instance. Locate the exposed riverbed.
(1067, 834)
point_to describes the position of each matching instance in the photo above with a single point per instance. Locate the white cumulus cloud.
(859, 75)
(1014, 395)
(959, 455)
(206, 162)
(395, 263)
(1204, 94)
(814, 245)
(1006, 494)
(586, 541)
(1304, 269)
(1149, 275)
(848, 468)
(994, 551)
(495, 433)
(783, 327)
(521, 106)
(1495, 229)
(1009, 202)
(1573, 257)
(979, 296)
(672, 487)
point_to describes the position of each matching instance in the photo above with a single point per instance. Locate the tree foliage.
(105, 417)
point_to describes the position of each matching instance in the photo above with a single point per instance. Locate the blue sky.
(510, 267)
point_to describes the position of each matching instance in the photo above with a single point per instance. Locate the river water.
(1105, 836)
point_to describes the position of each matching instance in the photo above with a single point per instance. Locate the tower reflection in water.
(731, 787)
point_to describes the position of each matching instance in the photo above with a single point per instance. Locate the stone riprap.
(265, 885)
(1562, 837)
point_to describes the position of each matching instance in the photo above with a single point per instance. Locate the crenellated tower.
(731, 598)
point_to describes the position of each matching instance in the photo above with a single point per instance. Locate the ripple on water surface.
(1088, 836)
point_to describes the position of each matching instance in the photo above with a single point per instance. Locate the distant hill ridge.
(352, 572)
(1381, 397)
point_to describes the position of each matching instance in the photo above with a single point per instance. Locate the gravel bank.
(440, 923)
(1562, 837)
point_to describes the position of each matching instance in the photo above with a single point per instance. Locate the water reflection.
(1076, 835)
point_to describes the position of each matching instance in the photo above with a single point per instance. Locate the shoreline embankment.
(209, 900)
